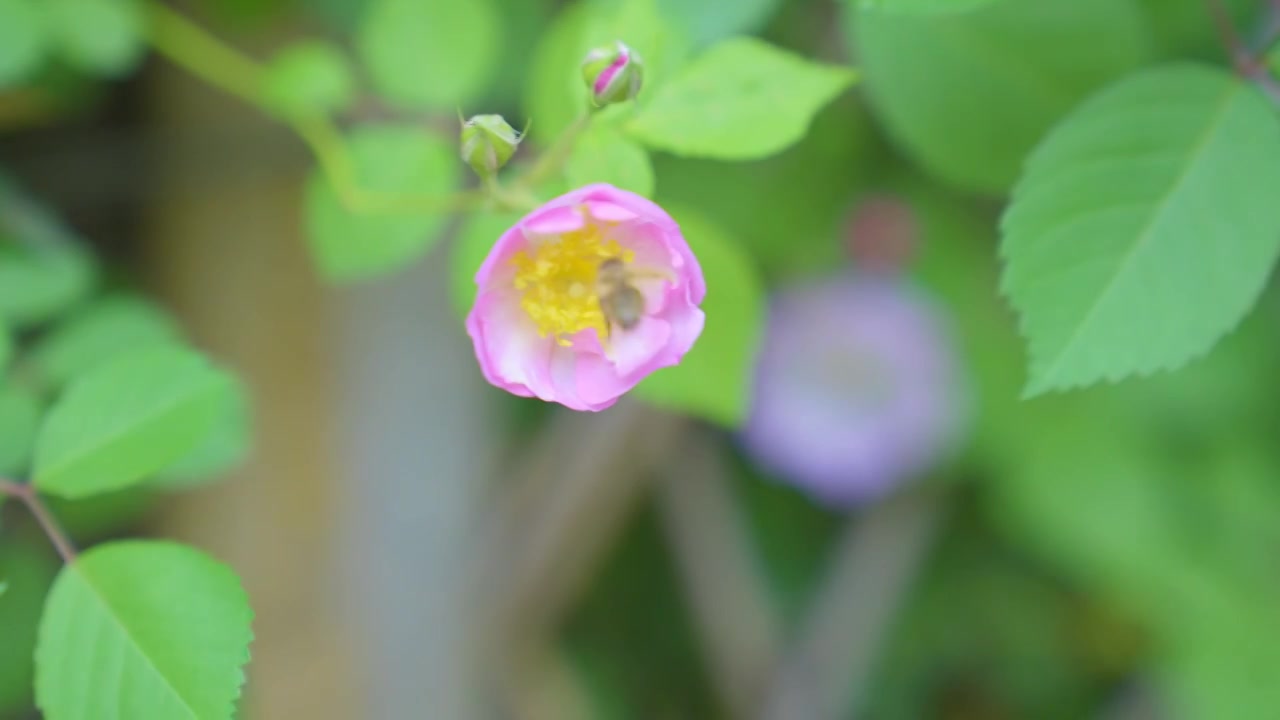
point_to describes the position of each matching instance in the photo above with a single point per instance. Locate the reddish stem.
(28, 497)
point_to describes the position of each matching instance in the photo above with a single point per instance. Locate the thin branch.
(720, 573)
(28, 497)
(202, 54)
(1237, 50)
(555, 156)
(825, 674)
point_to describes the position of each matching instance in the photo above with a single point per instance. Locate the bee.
(620, 301)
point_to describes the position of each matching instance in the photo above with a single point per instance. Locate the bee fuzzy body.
(620, 301)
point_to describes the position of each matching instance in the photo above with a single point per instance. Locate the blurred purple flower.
(857, 388)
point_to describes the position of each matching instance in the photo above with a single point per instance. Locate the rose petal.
(629, 350)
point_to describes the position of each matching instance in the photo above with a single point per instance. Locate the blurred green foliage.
(1120, 535)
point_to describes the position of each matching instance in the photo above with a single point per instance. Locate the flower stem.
(28, 497)
(197, 51)
(554, 158)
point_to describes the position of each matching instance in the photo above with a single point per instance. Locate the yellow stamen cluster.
(557, 279)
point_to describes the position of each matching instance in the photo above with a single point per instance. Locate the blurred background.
(890, 533)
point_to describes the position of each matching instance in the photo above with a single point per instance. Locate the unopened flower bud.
(488, 142)
(613, 73)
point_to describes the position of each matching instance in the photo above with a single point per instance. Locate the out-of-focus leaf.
(430, 53)
(604, 155)
(714, 379)
(160, 627)
(1144, 227)
(99, 332)
(920, 6)
(127, 420)
(968, 95)
(24, 40)
(19, 418)
(470, 248)
(6, 347)
(744, 198)
(955, 257)
(224, 446)
(37, 283)
(26, 572)
(708, 21)
(102, 37)
(742, 99)
(1183, 27)
(100, 517)
(556, 92)
(308, 78)
(389, 160)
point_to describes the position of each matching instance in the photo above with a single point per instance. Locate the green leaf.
(308, 78)
(26, 571)
(1144, 227)
(6, 347)
(470, 248)
(919, 6)
(354, 245)
(714, 379)
(103, 37)
(20, 412)
(708, 21)
(101, 517)
(969, 95)
(740, 100)
(556, 94)
(142, 631)
(98, 333)
(23, 40)
(430, 54)
(37, 283)
(743, 198)
(604, 155)
(222, 449)
(126, 420)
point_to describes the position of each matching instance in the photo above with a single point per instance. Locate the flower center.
(556, 277)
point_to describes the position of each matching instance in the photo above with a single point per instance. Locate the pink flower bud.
(613, 73)
(584, 297)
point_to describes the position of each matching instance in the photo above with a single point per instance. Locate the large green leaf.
(430, 53)
(143, 631)
(1144, 227)
(741, 99)
(556, 94)
(603, 155)
(308, 78)
(103, 37)
(19, 419)
(25, 572)
(23, 40)
(128, 419)
(714, 379)
(389, 160)
(97, 333)
(968, 95)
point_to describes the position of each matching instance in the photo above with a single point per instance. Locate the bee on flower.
(585, 297)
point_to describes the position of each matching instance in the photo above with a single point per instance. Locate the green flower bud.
(613, 73)
(488, 142)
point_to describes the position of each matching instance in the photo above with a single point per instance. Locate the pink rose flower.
(548, 322)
